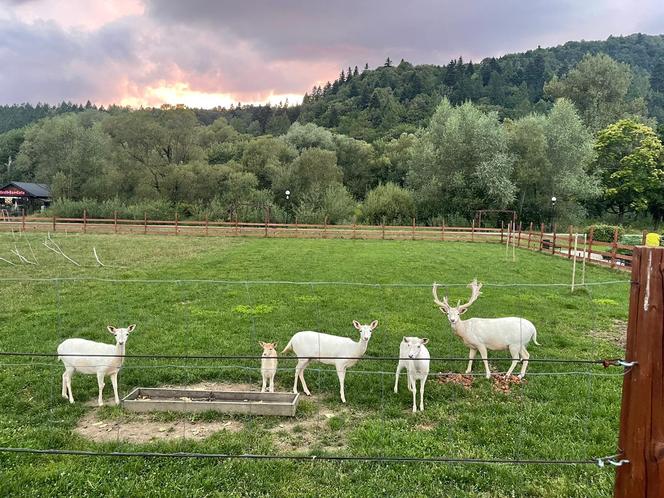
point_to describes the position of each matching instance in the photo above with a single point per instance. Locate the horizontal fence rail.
(566, 245)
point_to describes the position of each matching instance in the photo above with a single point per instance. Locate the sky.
(207, 53)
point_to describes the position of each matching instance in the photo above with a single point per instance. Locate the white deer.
(417, 366)
(78, 355)
(269, 363)
(495, 334)
(342, 352)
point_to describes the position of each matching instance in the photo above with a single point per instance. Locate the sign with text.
(13, 192)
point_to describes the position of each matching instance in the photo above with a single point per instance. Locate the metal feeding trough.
(143, 399)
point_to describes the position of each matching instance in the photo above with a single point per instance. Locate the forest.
(579, 122)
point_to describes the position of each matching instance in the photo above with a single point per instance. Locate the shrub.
(389, 202)
(604, 233)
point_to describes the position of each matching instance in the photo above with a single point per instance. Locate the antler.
(444, 305)
(475, 287)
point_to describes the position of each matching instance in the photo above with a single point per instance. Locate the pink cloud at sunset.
(211, 53)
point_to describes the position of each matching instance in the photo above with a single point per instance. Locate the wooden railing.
(612, 254)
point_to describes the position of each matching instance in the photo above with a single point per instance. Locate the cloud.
(211, 52)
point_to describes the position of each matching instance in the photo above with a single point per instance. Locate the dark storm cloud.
(251, 48)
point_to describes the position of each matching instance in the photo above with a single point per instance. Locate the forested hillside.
(578, 122)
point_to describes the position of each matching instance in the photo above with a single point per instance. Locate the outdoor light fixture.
(553, 200)
(287, 194)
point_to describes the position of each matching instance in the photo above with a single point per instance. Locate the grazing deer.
(495, 334)
(417, 366)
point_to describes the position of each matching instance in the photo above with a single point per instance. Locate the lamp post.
(553, 211)
(287, 204)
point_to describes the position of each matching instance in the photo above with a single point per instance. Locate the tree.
(598, 86)
(657, 77)
(629, 162)
(309, 135)
(389, 203)
(461, 163)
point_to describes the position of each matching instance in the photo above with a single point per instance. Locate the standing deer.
(495, 334)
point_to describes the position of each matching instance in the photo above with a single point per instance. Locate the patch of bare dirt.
(616, 334)
(142, 428)
(504, 384)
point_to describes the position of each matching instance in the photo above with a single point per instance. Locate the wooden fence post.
(115, 222)
(296, 229)
(145, 222)
(541, 241)
(383, 227)
(569, 243)
(614, 247)
(472, 231)
(54, 223)
(641, 439)
(442, 231)
(502, 230)
(176, 222)
(85, 221)
(518, 240)
(553, 242)
(267, 219)
(23, 221)
(413, 236)
(354, 220)
(207, 222)
(530, 233)
(325, 227)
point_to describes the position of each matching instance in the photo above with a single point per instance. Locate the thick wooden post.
(115, 221)
(54, 223)
(85, 221)
(383, 227)
(23, 220)
(530, 233)
(413, 236)
(502, 231)
(354, 220)
(569, 243)
(590, 243)
(176, 222)
(325, 227)
(145, 222)
(472, 231)
(442, 231)
(641, 438)
(267, 219)
(207, 222)
(614, 247)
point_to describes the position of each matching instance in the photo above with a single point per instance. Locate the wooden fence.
(611, 254)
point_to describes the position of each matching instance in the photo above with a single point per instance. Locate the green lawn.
(570, 415)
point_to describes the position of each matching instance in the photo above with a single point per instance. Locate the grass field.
(564, 411)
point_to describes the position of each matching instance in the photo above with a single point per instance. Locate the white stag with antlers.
(495, 334)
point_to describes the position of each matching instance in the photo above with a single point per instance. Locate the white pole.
(583, 263)
(576, 239)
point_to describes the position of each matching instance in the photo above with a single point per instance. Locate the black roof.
(34, 189)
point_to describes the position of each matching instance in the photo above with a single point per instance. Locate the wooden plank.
(641, 439)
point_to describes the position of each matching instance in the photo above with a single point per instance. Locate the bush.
(604, 233)
(390, 203)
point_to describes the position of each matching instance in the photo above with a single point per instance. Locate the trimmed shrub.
(391, 203)
(604, 233)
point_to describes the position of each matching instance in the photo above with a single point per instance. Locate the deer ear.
(275, 345)
(357, 324)
(373, 324)
(404, 339)
(131, 327)
(111, 329)
(425, 340)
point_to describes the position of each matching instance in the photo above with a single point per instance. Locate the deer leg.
(483, 355)
(265, 379)
(114, 381)
(272, 381)
(341, 373)
(64, 384)
(299, 372)
(396, 379)
(100, 383)
(471, 357)
(414, 390)
(514, 351)
(69, 373)
(524, 355)
(422, 382)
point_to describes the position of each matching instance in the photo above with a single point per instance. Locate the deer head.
(454, 313)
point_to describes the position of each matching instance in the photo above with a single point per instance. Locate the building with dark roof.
(16, 197)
